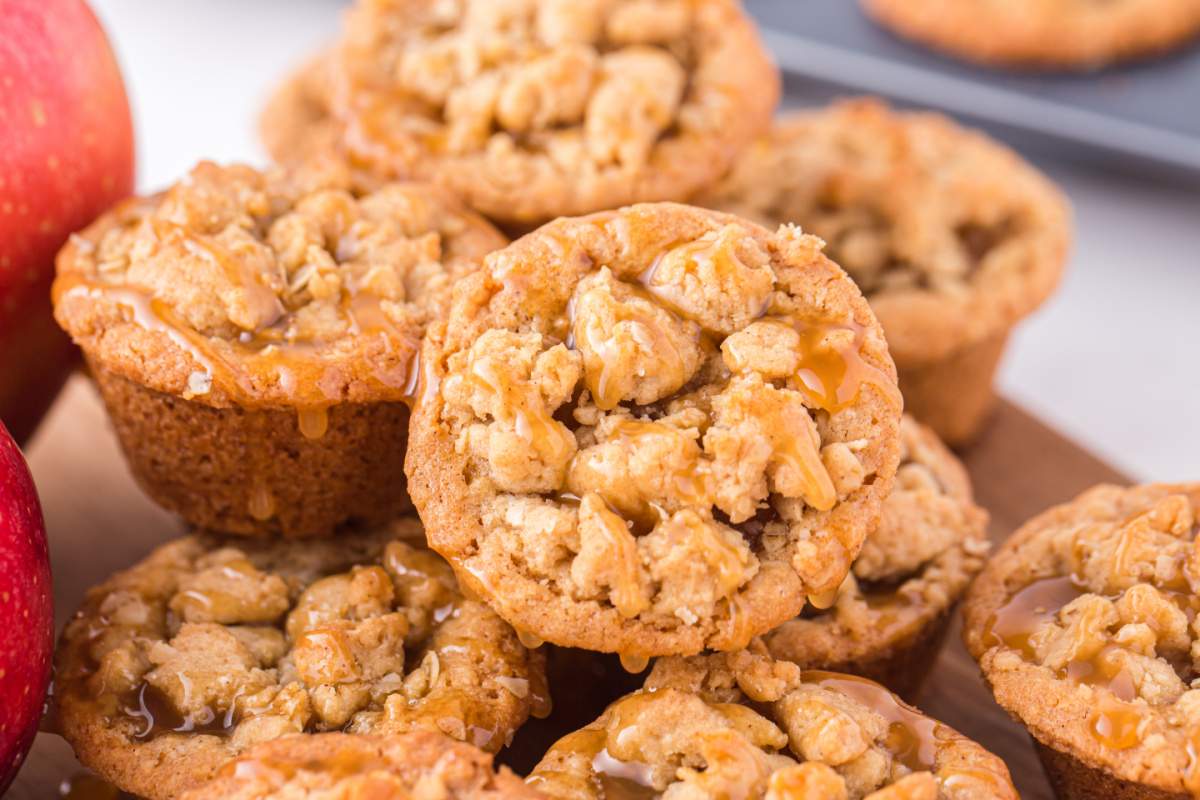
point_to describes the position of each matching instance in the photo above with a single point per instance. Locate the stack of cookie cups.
(642, 430)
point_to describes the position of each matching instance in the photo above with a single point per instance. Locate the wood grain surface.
(98, 522)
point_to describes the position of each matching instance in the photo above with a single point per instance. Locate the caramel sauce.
(830, 375)
(690, 481)
(269, 355)
(262, 503)
(1104, 670)
(623, 556)
(911, 737)
(726, 561)
(634, 664)
(522, 408)
(1017, 620)
(157, 715)
(969, 778)
(741, 626)
(261, 299)
(603, 354)
(701, 259)
(86, 786)
(1116, 725)
(312, 422)
(528, 640)
(825, 600)
(541, 704)
(1014, 623)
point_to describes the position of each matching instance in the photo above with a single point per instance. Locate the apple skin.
(66, 155)
(26, 610)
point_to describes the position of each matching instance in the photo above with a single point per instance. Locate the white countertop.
(1112, 360)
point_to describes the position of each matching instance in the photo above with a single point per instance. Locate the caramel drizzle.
(1017, 620)
(522, 410)
(268, 354)
(158, 716)
(911, 737)
(830, 375)
(604, 389)
(1117, 723)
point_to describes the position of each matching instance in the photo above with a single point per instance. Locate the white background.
(1112, 360)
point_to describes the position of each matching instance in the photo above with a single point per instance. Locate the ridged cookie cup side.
(569, 333)
(891, 614)
(262, 472)
(212, 645)
(1082, 623)
(955, 395)
(255, 335)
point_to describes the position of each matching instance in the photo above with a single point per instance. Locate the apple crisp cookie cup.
(254, 336)
(892, 612)
(1085, 625)
(654, 430)
(741, 724)
(952, 237)
(530, 111)
(211, 645)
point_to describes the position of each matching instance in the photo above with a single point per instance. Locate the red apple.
(26, 610)
(66, 154)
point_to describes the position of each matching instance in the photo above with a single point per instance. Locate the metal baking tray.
(1142, 113)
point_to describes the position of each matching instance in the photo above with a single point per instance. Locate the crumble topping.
(742, 724)
(253, 642)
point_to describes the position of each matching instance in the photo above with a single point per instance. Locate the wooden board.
(99, 522)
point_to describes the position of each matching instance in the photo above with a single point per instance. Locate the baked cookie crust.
(339, 765)
(740, 724)
(533, 109)
(1085, 626)
(892, 611)
(1075, 34)
(654, 430)
(210, 646)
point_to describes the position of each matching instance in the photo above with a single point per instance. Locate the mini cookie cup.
(254, 337)
(1084, 624)
(210, 646)
(654, 430)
